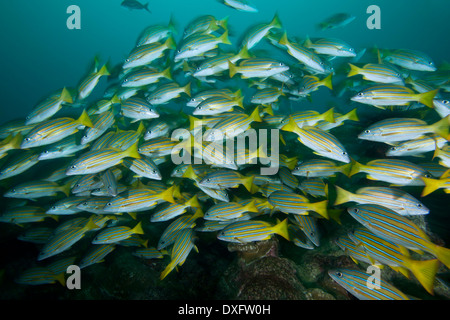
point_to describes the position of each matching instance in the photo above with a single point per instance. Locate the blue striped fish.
(47, 108)
(391, 254)
(144, 167)
(116, 234)
(398, 229)
(156, 129)
(259, 31)
(252, 230)
(168, 91)
(409, 59)
(256, 68)
(24, 214)
(218, 64)
(315, 187)
(197, 44)
(98, 160)
(416, 147)
(224, 179)
(403, 129)
(101, 123)
(302, 54)
(54, 130)
(173, 210)
(330, 46)
(183, 244)
(224, 211)
(156, 33)
(37, 189)
(89, 83)
(96, 255)
(395, 199)
(217, 105)
(321, 142)
(393, 95)
(320, 168)
(397, 172)
(289, 202)
(356, 282)
(38, 276)
(138, 200)
(19, 163)
(64, 240)
(145, 76)
(66, 206)
(205, 24)
(146, 53)
(149, 253)
(66, 147)
(137, 109)
(380, 73)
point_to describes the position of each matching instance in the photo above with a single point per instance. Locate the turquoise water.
(40, 55)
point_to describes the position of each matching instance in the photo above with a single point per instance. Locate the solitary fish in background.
(133, 4)
(336, 21)
(240, 5)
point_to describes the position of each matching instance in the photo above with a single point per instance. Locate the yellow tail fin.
(284, 39)
(431, 185)
(224, 38)
(342, 196)
(167, 73)
(424, 271)
(282, 229)
(103, 71)
(250, 207)
(443, 255)
(426, 98)
(187, 89)
(170, 43)
(167, 195)
(66, 96)
(356, 168)
(328, 116)
(232, 69)
(352, 115)
(354, 70)
(327, 82)
(138, 228)
(248, 182)
(132, 151)
(441, 127)
(85, 120)
(254, 116)
(321, 208)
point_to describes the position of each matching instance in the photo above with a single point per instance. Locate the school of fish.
(108, 172)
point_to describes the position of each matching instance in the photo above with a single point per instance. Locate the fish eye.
(366, 131)
(427, 175)
(344, 153)
(53, 208)
(419, 205)
(46, 151)
(393, 148)
(360, 94)
(84, 204)
(208, 180)
(321, 63)
(13, 190)
(73, 167)
(355, 210)
(109, 204)
(154, 171)
(339, 274)
(27, 139)
(445, 101)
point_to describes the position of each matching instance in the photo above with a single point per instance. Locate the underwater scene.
(225, 150)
